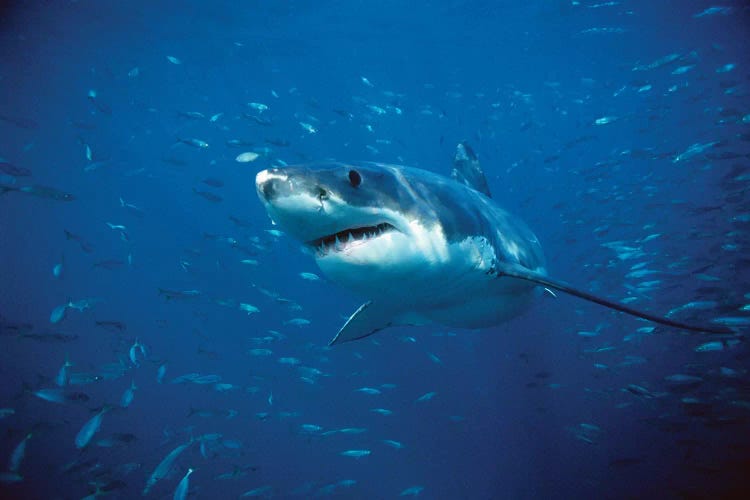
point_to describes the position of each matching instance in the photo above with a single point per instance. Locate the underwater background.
(153, 320)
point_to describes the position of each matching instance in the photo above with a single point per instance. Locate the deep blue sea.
(153, 320)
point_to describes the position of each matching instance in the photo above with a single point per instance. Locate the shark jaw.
(336, 232)
(317, 215)
(349, 240)
(331, 230)
(371, 250)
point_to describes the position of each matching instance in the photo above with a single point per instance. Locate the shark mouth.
(348, 238)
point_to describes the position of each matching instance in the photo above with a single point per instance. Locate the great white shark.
(419, 247)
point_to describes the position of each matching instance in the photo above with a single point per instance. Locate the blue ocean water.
(619, 131)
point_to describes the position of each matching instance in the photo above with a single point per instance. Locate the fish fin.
(467, 170)
(527, 275)
(368, 319)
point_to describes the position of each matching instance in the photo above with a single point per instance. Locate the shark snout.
(271, 183)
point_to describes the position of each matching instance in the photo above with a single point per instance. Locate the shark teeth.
(341, 240)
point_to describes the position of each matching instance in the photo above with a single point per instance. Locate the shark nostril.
(268, 189)
(272, 183)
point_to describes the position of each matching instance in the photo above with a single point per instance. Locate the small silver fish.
(128, 395)
(413, 491)
(165, 466)
(297, 322)
(62, 375)
(182, 489)
(369, 390)
(427, 396)
(90, 428)
(19, 452)
(58, 313)
(246, 157)
(308, 128)
(196, 143)
(248, 308)
(51, 395)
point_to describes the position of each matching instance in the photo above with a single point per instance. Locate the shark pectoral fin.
(368, 319)
(539, 279)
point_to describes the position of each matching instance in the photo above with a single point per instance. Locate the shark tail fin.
(562, 287)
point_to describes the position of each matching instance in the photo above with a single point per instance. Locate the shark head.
(363, 216)
(336, 210)
(378, 229)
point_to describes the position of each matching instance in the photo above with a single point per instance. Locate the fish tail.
(5, 188)
(25, 389)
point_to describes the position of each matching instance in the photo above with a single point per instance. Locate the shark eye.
(354, 178)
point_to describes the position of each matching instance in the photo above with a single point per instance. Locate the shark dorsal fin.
(468, 171)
